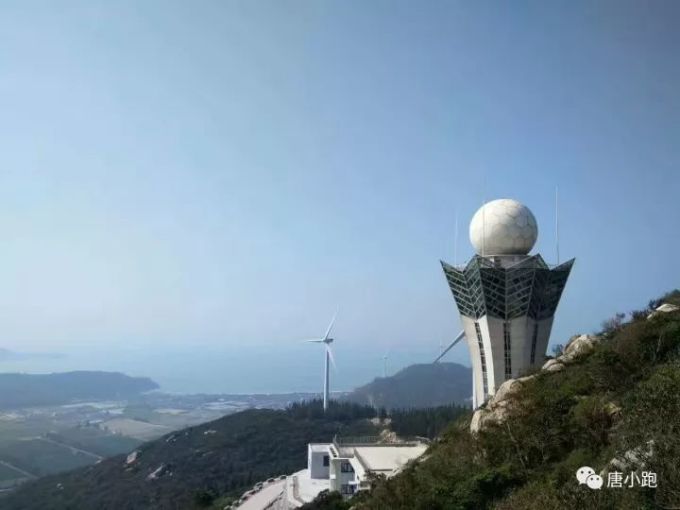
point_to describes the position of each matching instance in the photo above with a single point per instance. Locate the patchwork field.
(41, 441)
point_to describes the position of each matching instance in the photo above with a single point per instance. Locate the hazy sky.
(226, 172)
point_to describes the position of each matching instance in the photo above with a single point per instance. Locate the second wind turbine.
(327, 340)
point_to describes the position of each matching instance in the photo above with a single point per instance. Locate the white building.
(345, 464)
(506, 297)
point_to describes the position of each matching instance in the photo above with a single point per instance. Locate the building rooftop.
(373, 454)
(387, 458)
(318, 447)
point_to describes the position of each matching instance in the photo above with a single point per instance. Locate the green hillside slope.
(614, 407)
(191, 468)
(418, 386)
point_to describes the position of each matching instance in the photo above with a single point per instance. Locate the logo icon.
(583, 473)
(594, 482)
(586, 475)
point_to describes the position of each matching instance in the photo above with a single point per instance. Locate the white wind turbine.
(385, 357)
(460, 336)
(329, 359)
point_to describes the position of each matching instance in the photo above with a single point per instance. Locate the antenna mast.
(557, 230)
(455, 241)
(483, 215)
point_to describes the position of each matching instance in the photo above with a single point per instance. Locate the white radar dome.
(503, 227)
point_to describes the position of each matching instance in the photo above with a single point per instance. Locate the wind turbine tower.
(327, 340)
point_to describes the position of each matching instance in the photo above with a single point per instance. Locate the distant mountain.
(24, 390)
(418, 386)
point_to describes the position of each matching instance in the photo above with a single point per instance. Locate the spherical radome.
(503, 227)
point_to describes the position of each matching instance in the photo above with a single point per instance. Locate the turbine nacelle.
(320, 340)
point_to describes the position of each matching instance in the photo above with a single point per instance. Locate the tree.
(613, 323)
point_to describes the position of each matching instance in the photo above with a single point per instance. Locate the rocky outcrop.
(131, 458)
(664, 308)
(158, 472)
(552, 365)
(508, 389)
(498, 406)
(486, 415)
(634, 459)
(479, 418)
(577, 346)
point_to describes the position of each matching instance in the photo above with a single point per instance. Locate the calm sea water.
(251, 369)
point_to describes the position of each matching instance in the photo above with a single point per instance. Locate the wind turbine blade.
(314, 340)
(458, 339)
(330, 326)
(332, 358)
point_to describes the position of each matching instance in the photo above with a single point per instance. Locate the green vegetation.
(93, 439)
(199, 466)
(8, 474)
(209, 465)
(418, 386)
(622, 397)
(40, 446)
(40, 457)
(429, 422)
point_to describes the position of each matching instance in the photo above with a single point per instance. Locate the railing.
(356, 440)
(378, 441)
(274, 503)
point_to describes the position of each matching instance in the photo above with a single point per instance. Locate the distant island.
(24, 390)
(418, 386)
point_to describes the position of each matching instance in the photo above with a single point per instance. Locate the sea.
(234, 369)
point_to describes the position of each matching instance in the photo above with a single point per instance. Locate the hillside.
(610, 402)
(208, 465)
(24, 390)
(418, 386)
(190, 468)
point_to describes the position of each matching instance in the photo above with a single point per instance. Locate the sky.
(212, 179)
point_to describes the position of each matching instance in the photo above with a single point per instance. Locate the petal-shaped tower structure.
(506, 298)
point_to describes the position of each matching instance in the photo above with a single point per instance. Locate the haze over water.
(259, 369)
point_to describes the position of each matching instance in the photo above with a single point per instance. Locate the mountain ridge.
(28, 390)
(417, 386)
